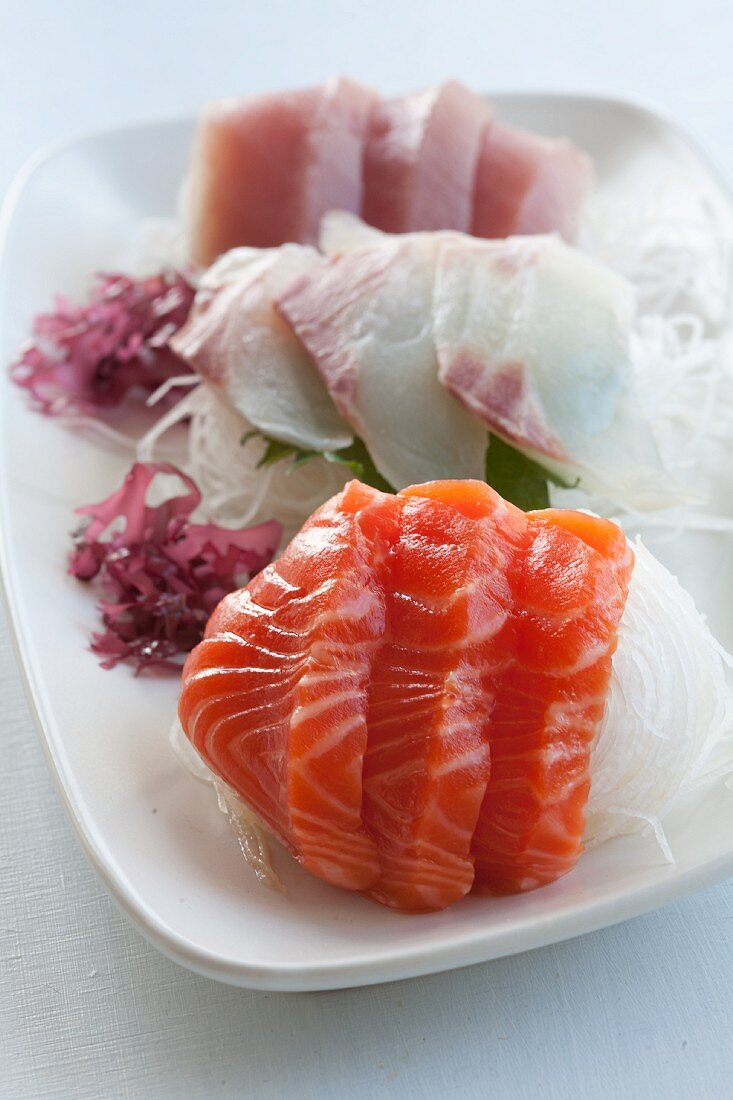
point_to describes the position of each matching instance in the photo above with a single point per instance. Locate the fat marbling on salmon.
(569, 585)
(409, 696)
(275, 697)
(432, 689)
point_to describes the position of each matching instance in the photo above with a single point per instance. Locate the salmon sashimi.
(432, 689)
(274, 699)
(569, 586)
(409, 696)
(266, 167)
(420, 159)
(529, 184)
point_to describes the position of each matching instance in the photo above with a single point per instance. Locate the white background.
(87, 1009)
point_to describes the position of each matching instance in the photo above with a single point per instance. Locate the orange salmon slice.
(432, 689)
(274, 698)
(569, 586)
(408, 696)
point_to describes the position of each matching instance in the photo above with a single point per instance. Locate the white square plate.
(153, 834)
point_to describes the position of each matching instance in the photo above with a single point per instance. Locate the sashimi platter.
(408, 418)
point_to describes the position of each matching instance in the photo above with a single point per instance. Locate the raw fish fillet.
(408, 697)
(237, 341)
(266, 167)
(275, 697)
(420, 159)
(432, 689)
(366, 319)
(528, 184)
(569, 588)
(533, 338)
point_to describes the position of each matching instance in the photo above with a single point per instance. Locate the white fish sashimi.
(534, 338)
(366, 318)
(237, 340)
(668, 724)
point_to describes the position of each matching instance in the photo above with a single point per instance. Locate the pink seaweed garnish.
(161, 575)
(84, 358)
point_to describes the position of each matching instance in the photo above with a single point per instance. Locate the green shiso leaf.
(517, 478)
(355, 457)
(359, 461)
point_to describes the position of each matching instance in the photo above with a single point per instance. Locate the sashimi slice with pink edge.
(265, 168)
(238, 342)
(526, 184)
(366, 320)
(420, 159)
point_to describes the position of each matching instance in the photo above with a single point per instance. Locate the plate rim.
(406, 962)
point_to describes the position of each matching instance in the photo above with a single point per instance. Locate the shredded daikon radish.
(178, 381)
(249, 830)
(668, 725)
(672, 246)
(669, 242)
(235, 491)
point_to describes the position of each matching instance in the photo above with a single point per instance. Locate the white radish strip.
(250, 832)
(172, 383)
(235, 491)
(668, 725)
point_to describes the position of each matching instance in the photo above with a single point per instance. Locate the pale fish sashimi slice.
(235, 339)
(569, 589)
(527, 184)
(534, 338)
(366, 318)
(432, 690)
(274, 698)
(266, 167)
(420, 159)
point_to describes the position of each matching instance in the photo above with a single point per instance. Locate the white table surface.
(87, 1008)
